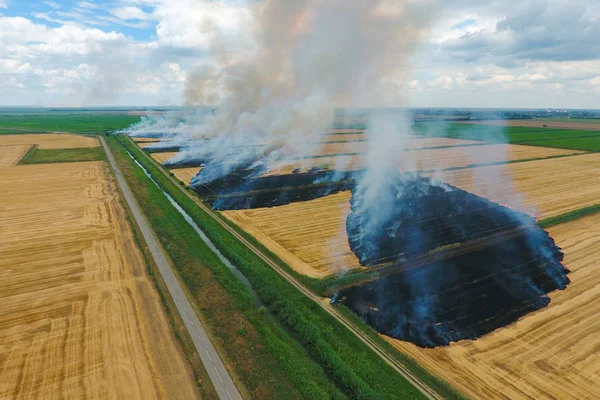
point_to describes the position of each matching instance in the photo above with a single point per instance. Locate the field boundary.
(569, 216)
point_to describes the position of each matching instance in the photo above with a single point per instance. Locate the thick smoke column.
(279, 83)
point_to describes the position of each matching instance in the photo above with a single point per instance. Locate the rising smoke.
(276, 87)
(279, 82)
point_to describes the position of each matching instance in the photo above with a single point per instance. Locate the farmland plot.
(79, 316)
(432, 159)
(145, 140)
(553, 353)
(186, 174)
(309, 236)
(545, 188)
(10, 155)
(162, 157)
(50, 141)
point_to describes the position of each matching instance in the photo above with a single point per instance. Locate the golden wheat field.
(80, 318)
(50, 140)
(553, 353)
(146, 140)
(545, 187)
(186, 174)
(11, 155)
(309, 236)
(162, 157)
(144, 145)
(432, 159)
(411, 143)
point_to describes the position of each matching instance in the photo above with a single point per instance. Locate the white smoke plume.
(279, 81)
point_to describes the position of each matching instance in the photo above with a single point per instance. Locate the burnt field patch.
(246, 188)
(488, 264)
(463, 297)
(449, 265)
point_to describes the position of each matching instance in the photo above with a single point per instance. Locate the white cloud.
(493, 53)
(87, 4)
(52, 4)
(131, 13)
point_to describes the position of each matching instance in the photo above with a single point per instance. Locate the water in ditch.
(202, 235)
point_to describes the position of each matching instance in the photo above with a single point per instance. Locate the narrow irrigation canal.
(200, 233)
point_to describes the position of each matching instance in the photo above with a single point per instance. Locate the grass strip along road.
(214, 366)
(257, 351)
(357, 362)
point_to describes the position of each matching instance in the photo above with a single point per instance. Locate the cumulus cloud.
(498, 52)
(129, 13)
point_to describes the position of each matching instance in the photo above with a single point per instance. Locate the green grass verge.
(49, 156)
(589, 143)
(201, 377)
(266, 360)
(354, 367)
(79, 123)
(569, 216)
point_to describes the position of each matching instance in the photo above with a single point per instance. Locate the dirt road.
(212, 362)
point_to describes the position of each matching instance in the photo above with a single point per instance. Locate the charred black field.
(450, 265)
(245, 188)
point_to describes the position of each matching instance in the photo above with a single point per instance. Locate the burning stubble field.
(309, 234)
(80, 317)
(549, 354)
(546, 187)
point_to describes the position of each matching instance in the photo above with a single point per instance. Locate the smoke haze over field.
(280, 80)
(278, 87)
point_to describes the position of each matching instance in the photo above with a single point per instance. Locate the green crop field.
(48, 156)
(589, 143)
(543, 137)
(78, 123)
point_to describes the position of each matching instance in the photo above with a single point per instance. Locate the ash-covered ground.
(508, 274)
(468, 292)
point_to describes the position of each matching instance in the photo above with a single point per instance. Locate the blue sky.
(93, 13)
(493, 53)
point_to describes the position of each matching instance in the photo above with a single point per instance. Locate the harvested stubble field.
(435, 159)
(456, 157)
(553, 353)
(11, 155)
(411, 143)
(50, 141)
(79, 317)
(309, 236)
(162, 157)
(186, 174)
(145, 140)
(544, 187)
